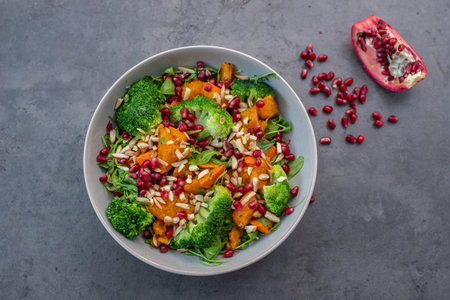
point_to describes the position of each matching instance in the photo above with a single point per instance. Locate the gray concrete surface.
(379, 228)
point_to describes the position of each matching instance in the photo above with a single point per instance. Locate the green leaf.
(199, 158)
(263, 221)
(265, 145)
(247, 239)
(295, 166)
(168, 87)
(256, 78)
(169, 70)
(163, 140)
(276, 124)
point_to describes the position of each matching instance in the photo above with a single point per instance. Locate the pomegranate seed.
(228, 83)
(184, 112)
(312, 111)
(231, 187)
(182, 214)
(228, 145)
(190, 126)
(315, 80)
(252, 204)
(154, 163)
(203, 143)
(321, 85)
(314, 91)
(238, 154)
(362, 98)
(364, 89)
(259, 134)
(257, 153)
(199, 127)
(169, 232)
(289, 156)
(177, 81)
(140, 182)
(208, 74)
(104, 151)
(163, 181)
(237, 117)
(229, 153)
(262, 209)
(278, 137)
(327, 91)
(165, 111)
(180, 181)
(331, 124)
(103, 178)
(350, 139)
(322, 57)
(166, 122)
(350, 111)
(330, 76)
(309, 63)
(400, 48)
(178, 91)
(327, 109)
(164, 249)
(322, 76)
(234, 103)
(288, 210)
(259, 104)
(353, 118)
(294, 191)
(157, 176)
(208, 87)
(228, 253)
(165, 194)
(309, 48)
(336, 82)
(304, 73)
(343, 88)
(248, 187)
(182, 126)
(241, 166)
(312, 200)
(178, 190)
(123, 161)
(378, 123)
(285, 168)
(126, 136)
(357, 91)
(237, 205)
(348, 81)
(199, 65)
(213, 81)
(360, 138)
(147, 235)
(377, 116)
(352, 105)
(312, 56)
(344, 122)
(325, 140)
(341, 101)
(304, 54)
(109, 127)
(134, 168)
(142, 191)
(173, 99)
(191, 117)
(393, 119)
(146, 164)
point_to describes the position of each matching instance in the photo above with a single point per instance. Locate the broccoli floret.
(216, 121)
(128, 216)
(251, 90)
(277, 194)
(141, 107)
(205, 229)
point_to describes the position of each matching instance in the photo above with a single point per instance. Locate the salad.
(197, 161)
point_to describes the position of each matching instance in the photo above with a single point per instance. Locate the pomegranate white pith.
(386, 56)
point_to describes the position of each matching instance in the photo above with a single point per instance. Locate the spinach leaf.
(276, 124)
(265, 145)
(256, 78)
(247, 238)
(199, 158)
(119, 180)
(295, 166)
(168, 87)
(169, 70)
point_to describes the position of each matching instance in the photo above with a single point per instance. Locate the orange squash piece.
(226, 71)
(145, 156)
(252, 115)
(208, 180)
(193, 187)
(271, 153)
(260, 226)
(234, 238)
(243, 216)
(269, 109)
(256, 171)
(166, 151)
(159, 229)
(197, 87)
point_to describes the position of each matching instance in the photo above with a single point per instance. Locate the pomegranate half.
(386, 56)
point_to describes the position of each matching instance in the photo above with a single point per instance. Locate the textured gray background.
(379, 227)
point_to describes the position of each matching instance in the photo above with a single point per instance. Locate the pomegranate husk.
(369, 57)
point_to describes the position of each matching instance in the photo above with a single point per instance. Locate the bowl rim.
(214, 271)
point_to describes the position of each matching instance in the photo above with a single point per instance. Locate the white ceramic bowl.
(302, 143)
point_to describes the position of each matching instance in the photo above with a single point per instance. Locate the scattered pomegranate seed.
(259, 134)
(304, 54)
(327, 109)
(321, 85)
(362, 98)
(182, 214)
(312, 111)
(315, 80)
(262, 209)
(325, 140)
(259, 104)
(184, 112)
(248, 187)
(378, 123)
(285, 168)
(177, 81)
(331, 124)
(343, 88)
(164, 248)
(322, 57)
(180, 181)
(231, 187)
(288, 210)
(140, 182)
(169, 232)
(134, 168)
(330, 76)
(348, 81)
(154, 163)
(309, 63)
(352, 105)
(350, 111)
(312, 200)
(314, 91)
(228, 253)
(203, 143)
(191, 117)
(393, 119)
(142, 192)
(257, 153)
(109, 127)
(165, 111)
(252, 204)
(241, 165)
(289, 156)
(178, 91)
(322, 76)
(147, 235)
(377, 116)
(327, 91)
(257, 162)
(208, 87)
(309, 48)
(344, 122)
(237, 205)
(336, 82)
(341, 101)
(104, 151)
(182, 126)
(304, 73)
(126, 136)
(294, 191)
(360, 138)
(234, 103)
(103, 178)
(199, 65)
(350, 139)
(165, 194)
(123, 161)
(353, 118)
(178, 190)
(312, 56)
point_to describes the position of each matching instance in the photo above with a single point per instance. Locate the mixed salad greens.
(197, 161)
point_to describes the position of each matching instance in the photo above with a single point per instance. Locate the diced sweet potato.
(251, 117)
(146, 156)
(226, 71)
(269, 109)
(271, 153)
(193, 187)
(166, 151)
(260, 226)
(208, 180)
(197, 87)
(243, 216)
(256, 171)
(234, 238)
(159, 229)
